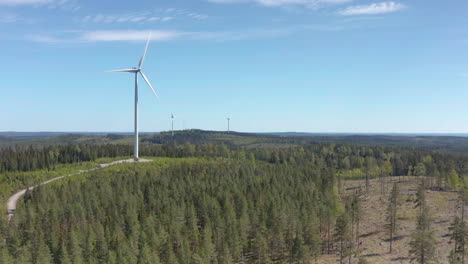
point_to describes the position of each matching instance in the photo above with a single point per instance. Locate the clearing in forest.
(375, 242)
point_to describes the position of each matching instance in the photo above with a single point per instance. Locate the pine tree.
(147, 256)
(362, 260)
(299, 250)
(208, 250)
(74, 248)
(5, 257)
(343, 236)
(422, 245)
(62, 256)
(463, 200)
(458, 233)
(453, 179)
(420, 201)
(43, 255)
(392, 209)
(356, 214)
(23, 255)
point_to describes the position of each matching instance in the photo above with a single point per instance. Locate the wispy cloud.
(162, 35)
(372, 9)
(279, 3)
(24, 2)
(130, 35)
(106, 36)
(69, 5)
(261, 33)
(10, 18)
(160, 15)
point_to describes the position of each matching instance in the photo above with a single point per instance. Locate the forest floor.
(375, 243)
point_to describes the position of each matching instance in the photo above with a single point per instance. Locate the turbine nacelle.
(137, 70)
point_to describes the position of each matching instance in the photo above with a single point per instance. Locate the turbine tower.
(136, 70)
(172, 124)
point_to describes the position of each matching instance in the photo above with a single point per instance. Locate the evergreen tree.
(43, 255)
(458, 233)
(422, 245)
(392, 209)
(453, 179)
(343, 236)
(420, 201)
(5, 257)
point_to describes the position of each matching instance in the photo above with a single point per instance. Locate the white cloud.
(138, 19)
(23, 2)
(278, 3)
(107, 36)
(372, 9)
(9, 18)
(161, 35)
(128, 35)
(223, 36)
(68, 5)
(153, 16)
(197, 16)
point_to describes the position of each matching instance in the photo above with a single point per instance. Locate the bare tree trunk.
(341, 252)
(463, 221)
(367, 183)
(328, 239)
(391, 235)
(357, 232)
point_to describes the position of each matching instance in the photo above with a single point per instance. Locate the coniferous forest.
(205, 203)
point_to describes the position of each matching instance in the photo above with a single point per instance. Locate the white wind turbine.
(172, 129)
(228, 123)
(136, 71)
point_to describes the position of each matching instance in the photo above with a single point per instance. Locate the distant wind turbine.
(172, 125)
(136, 71)
(228, 121)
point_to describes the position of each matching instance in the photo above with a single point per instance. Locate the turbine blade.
(144, 53)
(149, 84)
(124, 70)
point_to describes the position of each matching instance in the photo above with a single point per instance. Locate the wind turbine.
(229, 120)
(137, 70)
(172, 117)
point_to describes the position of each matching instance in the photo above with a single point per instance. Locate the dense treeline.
(348, 160)
(31, 158)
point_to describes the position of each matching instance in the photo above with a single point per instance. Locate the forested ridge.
(454, 143)
(202, 203)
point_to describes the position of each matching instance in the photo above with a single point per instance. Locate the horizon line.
(250, 132)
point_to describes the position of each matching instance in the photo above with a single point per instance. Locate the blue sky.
(273, 65)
